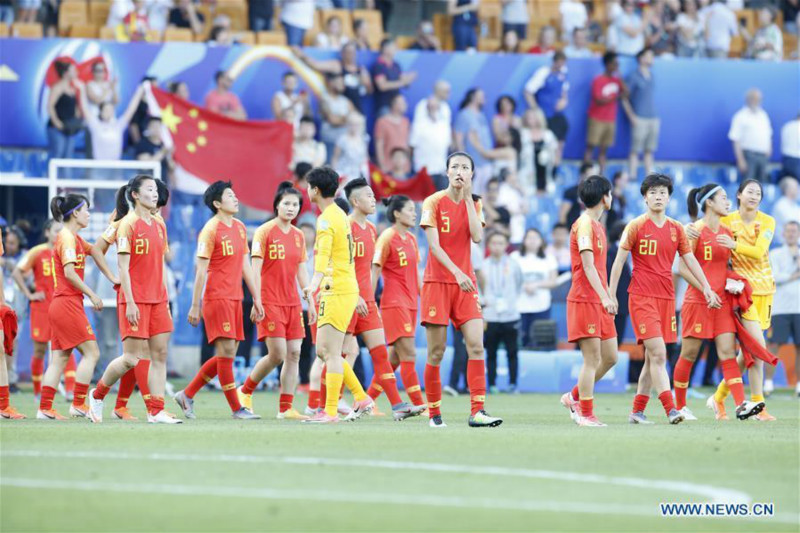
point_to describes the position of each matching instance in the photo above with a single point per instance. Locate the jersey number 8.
(707, 253)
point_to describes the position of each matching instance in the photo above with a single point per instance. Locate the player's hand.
(312, 314)
(464, 282)
(194, 315)
(37, 296)
(97, 303)
(609, 305)
(361, 307)
(692, 232)
(711, 297)
(132, 314)
(726, 241)
(257, 312)
(115, 282)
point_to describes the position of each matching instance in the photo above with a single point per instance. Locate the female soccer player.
(8, 332)
(69, 325)
(221, 250)
(39, 261)
(396, 258)
(144, 318)
(279, 261)
(334, 273)
(453, 219)
(699, 322)
(590, 307)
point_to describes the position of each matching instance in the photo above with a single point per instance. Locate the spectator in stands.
(332, 37)
(334, 108)
(640, 107)
(222, 100)
(497, 217)
(7, 12)
(297, 17)
(539, 152)
(578, 47)
(510, 43)
(28, 10)
(100, 89)
(690, 31)
(62, 108)
(357, 80)
(503, 282)
(790, 148)
(512, 196)
(751, 135)
(290, 97)
(626, 36)
(152, 148)
(106, 129)
(573, 15)
(516, 16)
(615, 232)
(400, 164)
(185, 15)
(391, 131)
(546, 43)
(547, 90)
(259, 13)
(441, 92)
(426, 38)
(619, 182)
(220, 36)
(767, 43)
(505, 121)
(305, 148)
(388, 77)
(660, 28)
(791, 15)
(607, 89)
(117, 11)
(350, 157)
(464, 22)
(158, 14)
(431, 135)
(785, 263)
(787, 208)
(571, 206)
(135, 24)
(301, 184)
(720, 27)
(361, 34)
(539, 271)
(559, 247)
(180, 89)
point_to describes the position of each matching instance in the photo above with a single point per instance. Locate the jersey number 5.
(648, 247)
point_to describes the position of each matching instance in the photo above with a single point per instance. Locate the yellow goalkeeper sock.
(333, 382)
(722, 392)
(757, 397)
(352, 383)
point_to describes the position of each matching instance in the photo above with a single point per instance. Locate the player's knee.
(435, 355)
(610, 359)
(592, 359)
(658, 357)
(293, 356)
(475, 349)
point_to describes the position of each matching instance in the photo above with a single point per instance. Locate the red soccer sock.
(156, 405)
(640, 403)
(81, 390)
(313, 399)
(285, 402)
(323, 389)
(69, 374)
(225, 372)
(408, 373)
(142, 373)
(249, 386)
(575, 394)
(374, 390)
(666, 401)
(126, 384)
(3, 397)
(383, 371)
(206, 373)
(587, 407)
(683, 370)
(100, 391)
(46, 403)
(476, 381)
(733, 377)
(37, 370)
(433, 389)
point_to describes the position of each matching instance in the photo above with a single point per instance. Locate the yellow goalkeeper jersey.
(333, 252)
(750, 258)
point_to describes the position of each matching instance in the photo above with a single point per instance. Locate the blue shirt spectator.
(642, 89)
(473, 120)
(547, 86)
(388, 77)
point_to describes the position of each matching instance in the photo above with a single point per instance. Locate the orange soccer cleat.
(50, 414)
(10, 413)
(717, 407)
(123, 413)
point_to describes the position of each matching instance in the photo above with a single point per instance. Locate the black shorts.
(558, 125)
(784, 328)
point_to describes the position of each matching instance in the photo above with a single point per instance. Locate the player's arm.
(257, 314)
(100, 260)
(587, 262)
(131, 309)
(475, 223)
(440, 255)
(303, 280)
(377, 269)
(686, 274)
(753, 251)
(616, 272)
(322, 259)
(201, 273)
(256, 263)
(696, 270)
(77, 282)
(22, 269)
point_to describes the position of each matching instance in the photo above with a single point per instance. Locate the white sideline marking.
(715, 494)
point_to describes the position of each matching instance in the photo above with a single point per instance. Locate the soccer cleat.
(748, 409)
(311, 412)
(764, 416)
(163, 417)
(687, 414)
(675, 416)
(638, 417)
(291, 414)
(123, 413)
(79, 412)
(769, 387)
(10, 413)
(95, 408)
(407, 410)
(482, 419)
(436, 422)
(322, 418)
(50, 414)
(364, 407)
(568, 402)
(185, 403)
(717, 407)
(343, 409)
(589, 421)
(244, 414)
(245, 399)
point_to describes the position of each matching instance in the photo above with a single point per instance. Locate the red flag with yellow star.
(254, 155)
(417, 187)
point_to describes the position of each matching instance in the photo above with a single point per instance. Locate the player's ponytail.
(393, 205)
(63, 207)
(284, 188)
(696, 201)
(691, 203)
(163, 193)
(121, 205)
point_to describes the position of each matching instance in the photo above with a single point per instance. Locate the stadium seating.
(27, 31)
(71, 13)
(178, 34)
(271, 38)
(84, 31)
(374, 25)
(3, 30)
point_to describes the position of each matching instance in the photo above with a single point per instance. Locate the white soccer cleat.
(687, 414)
(364, 407)
(95, 408)
(748, 409)
(163, 418)
(589, 421)
(437, 422)
(638, 417)
(79, 412)
(344, 408)
(571, 405)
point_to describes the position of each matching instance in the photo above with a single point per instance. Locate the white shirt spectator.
(118, 11)
(444, 110)
(516, 12)
(573, 15)
(298, 13)
(430, 138)
(106, 137)
(625, 44)
(158, 14)
(790, 139)
(535, 268)
(787, 292)
(784, 210)
(322, 40)
(573, 52)
(752, 130)
(720, 22)
(769, 35)
(516, 201)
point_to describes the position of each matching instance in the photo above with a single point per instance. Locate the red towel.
(9, 322)
(740, 303)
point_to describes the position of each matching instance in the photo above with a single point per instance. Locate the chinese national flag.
(417, 187)
(254, 155)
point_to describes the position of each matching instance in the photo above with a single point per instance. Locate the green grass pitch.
(537, 472)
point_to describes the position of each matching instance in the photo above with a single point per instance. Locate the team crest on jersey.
(226, 327)
(673, 234)
(407, 327)
(698, 328)
(35, 332)
(271, 326)
(642, 329)
(432, 311)
(134, 328)
(241, 234)
(89, 329)
(591, 328)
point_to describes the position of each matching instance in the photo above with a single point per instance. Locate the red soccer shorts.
(700, 322)
(9, 326)
(223, 320)
(653, 317)
(443, 302)
(154, 319)
(399, 322)
(69, 325)
(282, 322)
(359, 324)
(589, 320)
(40, 323)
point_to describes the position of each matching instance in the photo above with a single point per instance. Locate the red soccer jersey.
(605, 88)
(399, 256)
(282, 254)
(146, 244)
(653, 251)
(364, 250)
(587, 234)
(69, 248)
(39, 260)
(452, 224)
(713, 258)
(225, 247)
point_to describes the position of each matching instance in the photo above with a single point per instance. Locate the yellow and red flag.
(417, 187)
